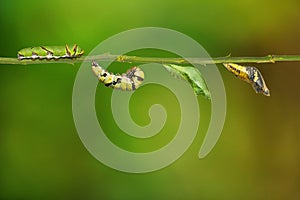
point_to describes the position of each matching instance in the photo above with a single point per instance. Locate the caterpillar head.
(97, 70)
(75, 51)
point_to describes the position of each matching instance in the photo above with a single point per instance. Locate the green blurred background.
(257, 156)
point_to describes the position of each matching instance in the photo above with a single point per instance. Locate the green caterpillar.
(50, 52)
(128, 81)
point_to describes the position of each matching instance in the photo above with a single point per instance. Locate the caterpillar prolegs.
(50, 52)
(128, 81)
(251, 75)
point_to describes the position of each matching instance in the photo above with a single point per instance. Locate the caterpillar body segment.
(238, 70)
(128, 81)
(251, 75)
(50, 52)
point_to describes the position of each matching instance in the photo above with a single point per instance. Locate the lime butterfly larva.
(50, 52)
(251, 75)
(128, 81)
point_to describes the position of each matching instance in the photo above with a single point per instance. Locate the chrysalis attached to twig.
(192, 75)
(128, 81)
(251, 75)
(50, 52)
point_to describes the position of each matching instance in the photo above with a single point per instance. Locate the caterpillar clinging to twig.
(251, 75)
(50, 52)
(128, 81)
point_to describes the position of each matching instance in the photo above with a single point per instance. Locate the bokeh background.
(257, 156)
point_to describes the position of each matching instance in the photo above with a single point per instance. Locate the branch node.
(271, 58)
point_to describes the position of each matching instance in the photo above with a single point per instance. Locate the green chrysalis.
(50, 52)
(192, 75)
